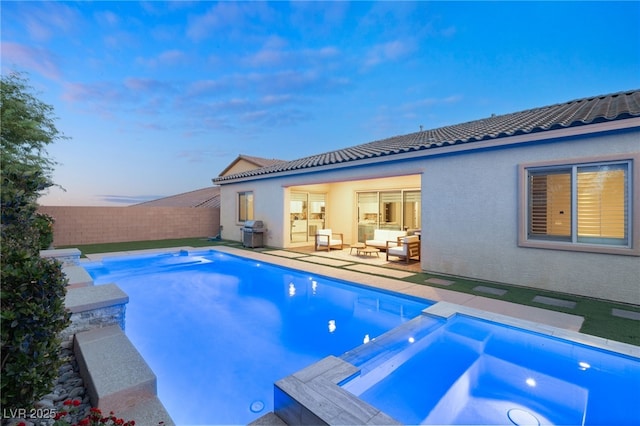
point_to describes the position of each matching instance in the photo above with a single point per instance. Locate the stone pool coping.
(116, 376)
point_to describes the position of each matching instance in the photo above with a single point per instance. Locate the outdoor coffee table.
(369, 251)
(357, 246)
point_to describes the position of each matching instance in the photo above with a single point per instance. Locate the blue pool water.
(467, 370)
(219, 330)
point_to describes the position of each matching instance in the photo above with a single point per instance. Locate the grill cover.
(253, 233)
(253, 226)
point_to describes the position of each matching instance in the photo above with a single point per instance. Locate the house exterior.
(546, 198)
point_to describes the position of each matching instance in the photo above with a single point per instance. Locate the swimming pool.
(466, 370)
(219, 330)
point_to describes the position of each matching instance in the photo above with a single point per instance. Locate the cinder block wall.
(95, 225)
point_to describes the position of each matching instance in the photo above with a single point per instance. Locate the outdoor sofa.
(382, 236)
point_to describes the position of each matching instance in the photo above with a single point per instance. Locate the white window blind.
(602, 203)
(580, 203)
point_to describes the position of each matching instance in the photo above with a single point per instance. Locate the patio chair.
(326, 240)
(406, 247)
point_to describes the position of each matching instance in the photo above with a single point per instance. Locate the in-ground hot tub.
(466, 370)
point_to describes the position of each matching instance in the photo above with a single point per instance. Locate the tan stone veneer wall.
(95, 225)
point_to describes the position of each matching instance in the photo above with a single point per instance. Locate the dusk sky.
(157, 98)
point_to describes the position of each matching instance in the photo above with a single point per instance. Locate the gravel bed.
(68, 386)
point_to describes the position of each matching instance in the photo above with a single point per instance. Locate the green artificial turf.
(598, 320)
(144, 245)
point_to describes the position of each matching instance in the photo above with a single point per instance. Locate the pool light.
(584, 365)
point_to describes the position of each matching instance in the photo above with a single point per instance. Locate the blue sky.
(158, 98)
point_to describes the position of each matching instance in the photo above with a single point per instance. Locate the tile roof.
(579, 112)
(205, 197)
(258, 162)
(262, 162)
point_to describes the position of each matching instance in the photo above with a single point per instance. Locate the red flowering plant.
(94, 418)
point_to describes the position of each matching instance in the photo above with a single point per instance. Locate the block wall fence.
(95, 225)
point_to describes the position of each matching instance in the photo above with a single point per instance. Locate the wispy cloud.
(30, 58)
(388, 52)
(430, 102)
(150, 85)
(232, 20)
(117, 99)
(279, 55)
(165, 59)
(107, 18)
(318, 18)
(46, 20)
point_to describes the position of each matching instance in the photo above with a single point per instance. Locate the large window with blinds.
(581, 204)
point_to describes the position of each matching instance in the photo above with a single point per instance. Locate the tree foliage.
(33, 288)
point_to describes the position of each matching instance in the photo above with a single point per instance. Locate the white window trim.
(633, 247)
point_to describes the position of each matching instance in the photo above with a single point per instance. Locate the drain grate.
(522, 418)
(256, 406)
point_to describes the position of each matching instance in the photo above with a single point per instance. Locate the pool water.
(219, 330)
(466, 370)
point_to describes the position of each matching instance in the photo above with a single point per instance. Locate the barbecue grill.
(253, 233)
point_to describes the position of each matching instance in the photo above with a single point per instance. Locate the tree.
(33, 288)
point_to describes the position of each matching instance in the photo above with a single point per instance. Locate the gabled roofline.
(256, 161)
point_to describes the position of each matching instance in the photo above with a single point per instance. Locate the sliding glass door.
(396, 210)
(307, 213)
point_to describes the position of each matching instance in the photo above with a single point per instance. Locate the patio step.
(117, 377)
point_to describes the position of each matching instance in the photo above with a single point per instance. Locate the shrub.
(33, 315)
(44, 225)
(33, 289)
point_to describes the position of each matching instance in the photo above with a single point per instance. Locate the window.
(245, 206)
(393, 210)
(578, 207)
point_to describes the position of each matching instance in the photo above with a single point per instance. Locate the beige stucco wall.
(239, 167)
(91, 225)
(470, 223)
